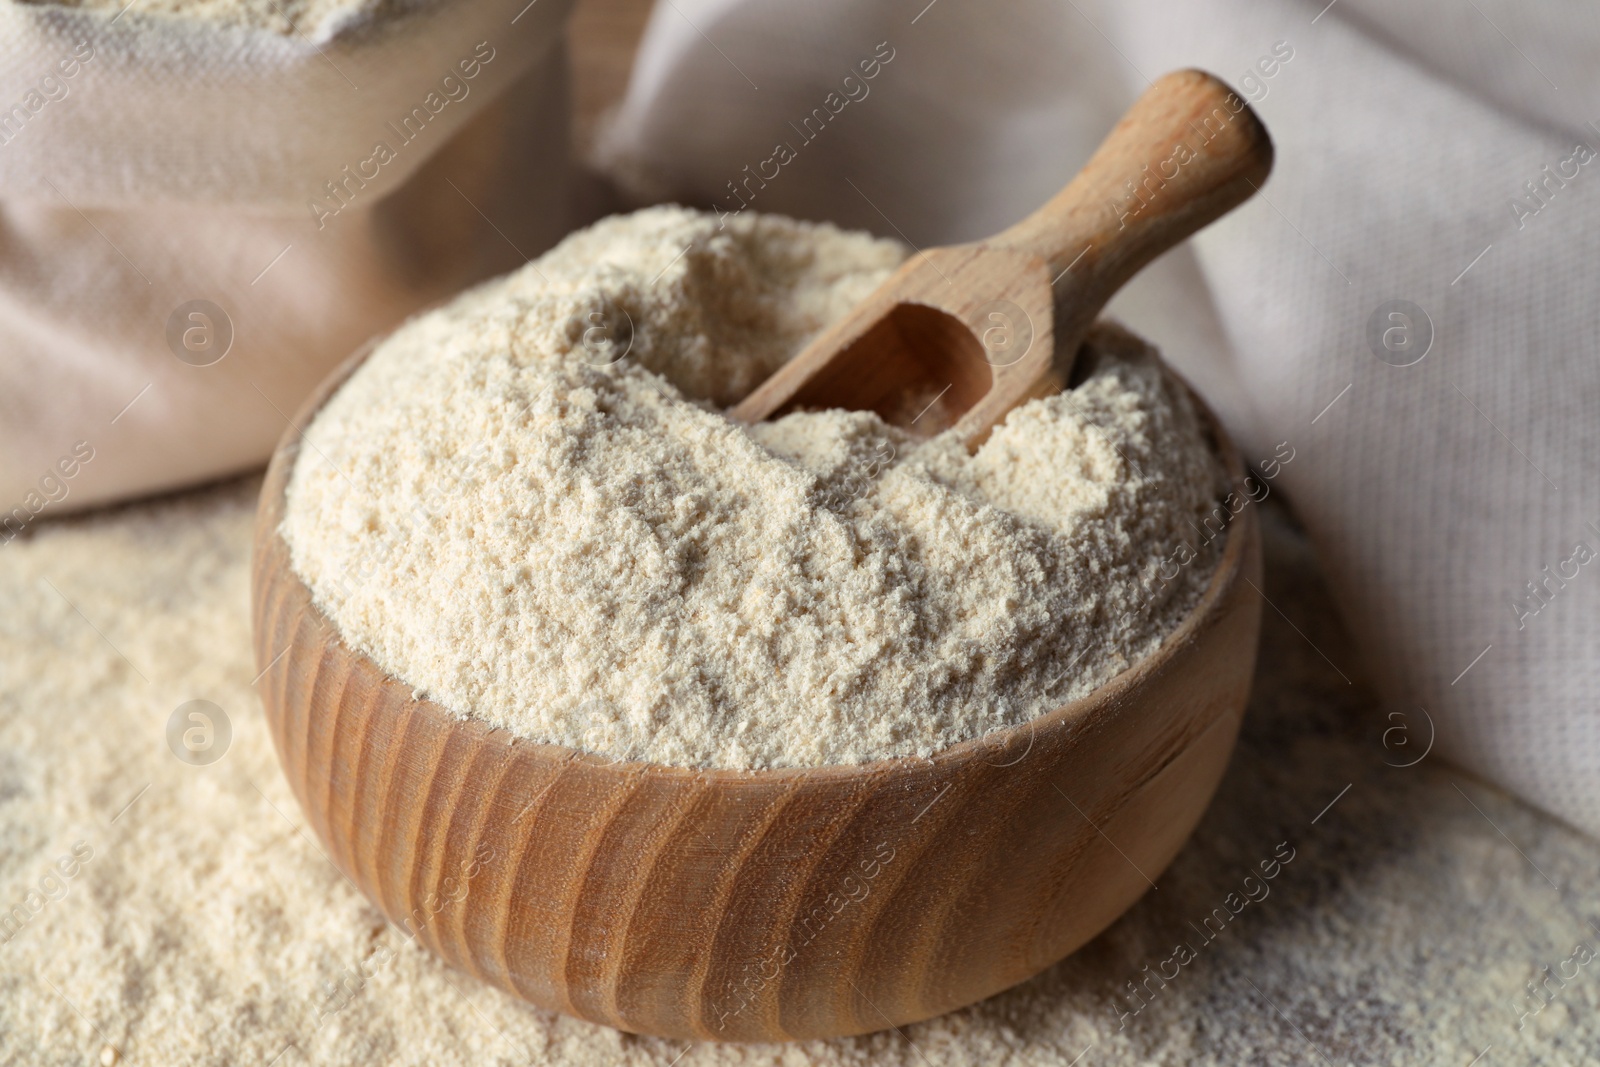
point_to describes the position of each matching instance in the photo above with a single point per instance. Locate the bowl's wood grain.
(766, 905)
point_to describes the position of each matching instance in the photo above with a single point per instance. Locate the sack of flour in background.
(208, 206)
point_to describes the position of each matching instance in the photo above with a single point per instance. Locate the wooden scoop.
(959, 336)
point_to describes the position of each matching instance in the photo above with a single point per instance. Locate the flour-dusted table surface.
(181, 914)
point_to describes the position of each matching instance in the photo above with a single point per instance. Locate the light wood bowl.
(750, 905)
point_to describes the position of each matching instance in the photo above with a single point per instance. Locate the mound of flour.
(529, 506)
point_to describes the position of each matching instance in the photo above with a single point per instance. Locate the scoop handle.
(1189, 150)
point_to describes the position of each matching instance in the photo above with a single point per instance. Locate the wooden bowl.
(750, 905)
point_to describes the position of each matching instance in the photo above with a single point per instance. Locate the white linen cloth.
(1406, 137)
(148, 162)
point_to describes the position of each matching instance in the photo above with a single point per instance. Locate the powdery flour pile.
(529, 506)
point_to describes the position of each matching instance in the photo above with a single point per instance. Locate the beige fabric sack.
(201, 219)
(1410, 309)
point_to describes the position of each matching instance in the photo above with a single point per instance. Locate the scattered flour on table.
(584, 550)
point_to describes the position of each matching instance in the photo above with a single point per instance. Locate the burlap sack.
(201, 219)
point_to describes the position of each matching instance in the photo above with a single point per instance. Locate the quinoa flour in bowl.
(528, 506)
(723, 732)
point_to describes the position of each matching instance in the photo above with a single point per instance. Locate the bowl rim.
(1207, 610)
